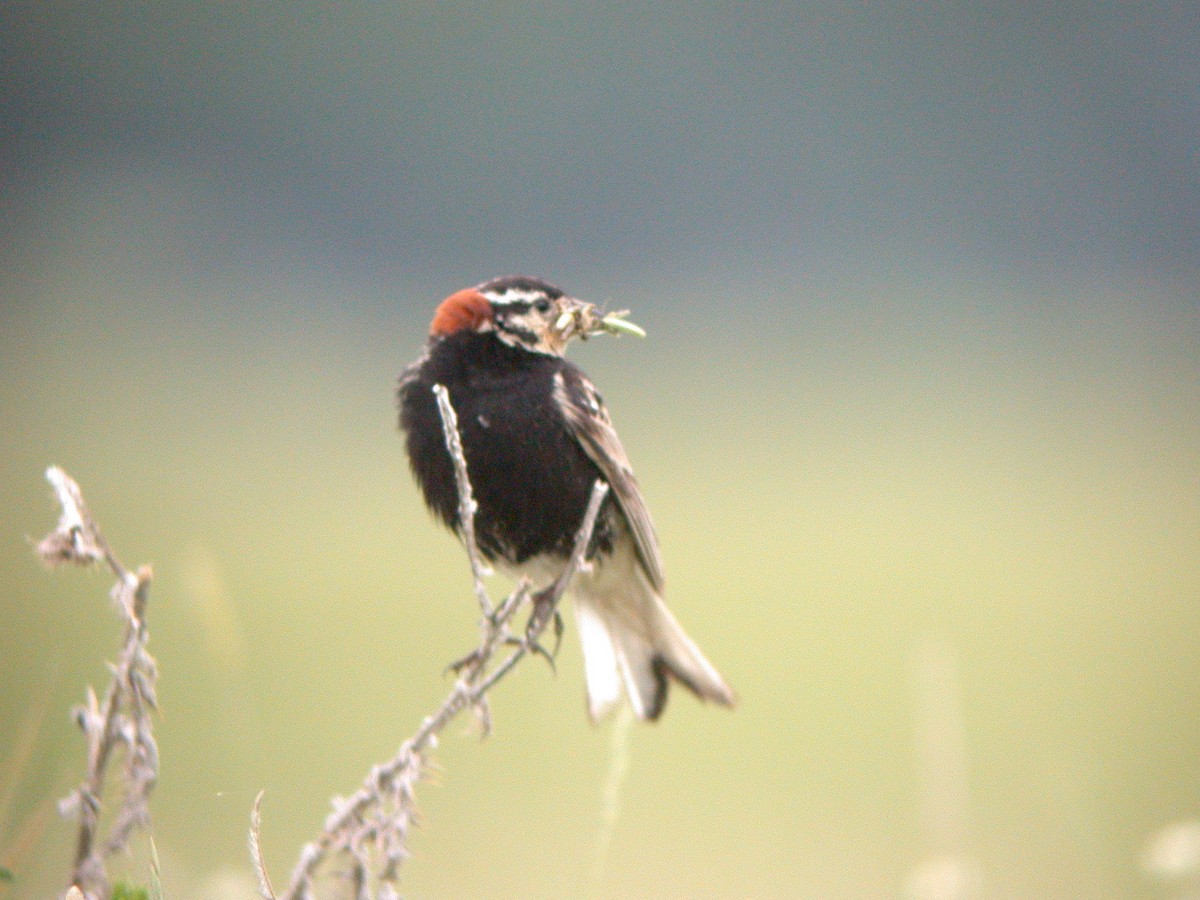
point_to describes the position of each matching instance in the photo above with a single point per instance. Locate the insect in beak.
(581, 319)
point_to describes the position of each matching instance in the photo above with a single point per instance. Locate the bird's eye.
(542, 305)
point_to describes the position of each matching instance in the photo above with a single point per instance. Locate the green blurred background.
(917, 419)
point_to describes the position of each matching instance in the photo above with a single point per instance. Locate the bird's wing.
(588, 420)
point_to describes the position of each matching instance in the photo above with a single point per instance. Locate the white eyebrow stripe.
(513, 297)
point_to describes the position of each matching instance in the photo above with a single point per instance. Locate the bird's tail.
(634, 644)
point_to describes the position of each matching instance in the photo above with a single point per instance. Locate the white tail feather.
(599, 661)
(631, 640)
(685, 660)
(635, 657)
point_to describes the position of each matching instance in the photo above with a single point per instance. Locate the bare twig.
(370, 828)
(256, 857)
(467, 507)
(122, 720)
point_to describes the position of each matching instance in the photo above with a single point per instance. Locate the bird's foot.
(458, 665)
(543, 609)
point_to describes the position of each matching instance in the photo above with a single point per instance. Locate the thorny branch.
(467, 506)
(122, 719)
(371, 826)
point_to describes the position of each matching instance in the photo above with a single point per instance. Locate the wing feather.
(589, 421)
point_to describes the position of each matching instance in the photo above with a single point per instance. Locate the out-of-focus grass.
(1014, 481)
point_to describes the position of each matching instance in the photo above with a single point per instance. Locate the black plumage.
(536, 436)
(530, 476)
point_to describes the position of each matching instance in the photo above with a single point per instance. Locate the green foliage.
(6, 875)
(123, 891)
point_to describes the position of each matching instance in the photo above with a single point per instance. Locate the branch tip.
(371, 827)
(122, 720)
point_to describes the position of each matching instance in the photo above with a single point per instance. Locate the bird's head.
(527, 313)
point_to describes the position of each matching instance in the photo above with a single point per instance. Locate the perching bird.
(536, 436)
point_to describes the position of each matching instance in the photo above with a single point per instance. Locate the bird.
(536, 435)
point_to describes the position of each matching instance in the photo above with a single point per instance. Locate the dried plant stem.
(256, 857)
(371, 827)
(467, 507)
(618, 768)
(122, 720)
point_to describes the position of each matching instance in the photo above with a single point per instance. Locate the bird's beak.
(579, 319)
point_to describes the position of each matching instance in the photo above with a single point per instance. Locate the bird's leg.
(497, 623)
(459, 664)
(544, 607)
